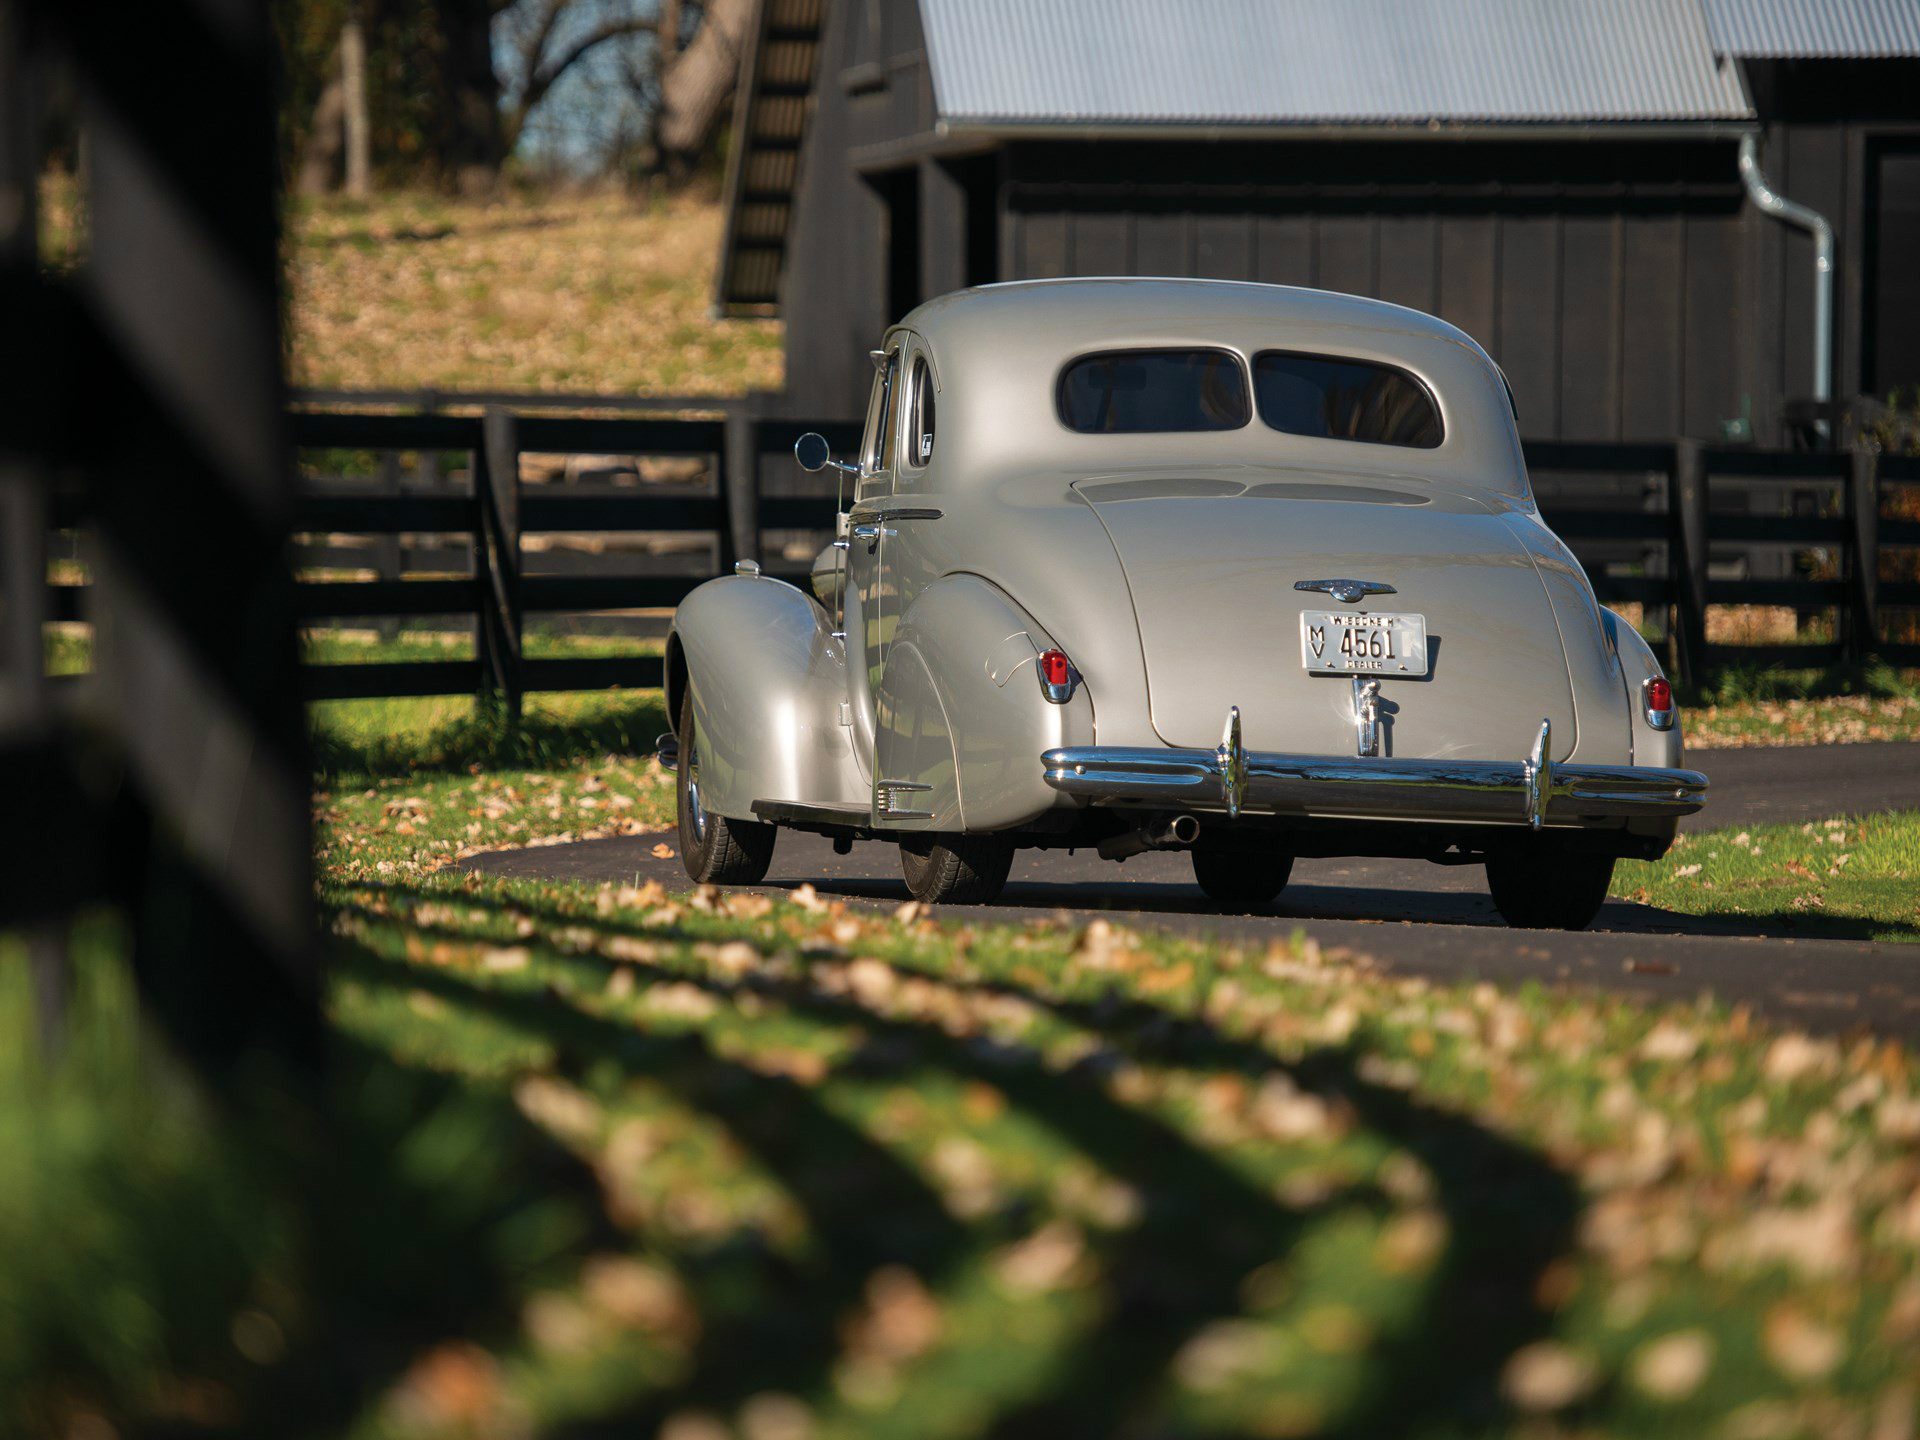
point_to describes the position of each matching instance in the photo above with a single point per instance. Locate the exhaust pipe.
(1175, 834)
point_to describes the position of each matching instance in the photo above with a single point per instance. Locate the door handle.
(872, 534)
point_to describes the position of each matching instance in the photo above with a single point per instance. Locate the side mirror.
(812, 451)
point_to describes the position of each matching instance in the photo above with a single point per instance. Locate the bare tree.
(552, 38)
(353, 86)
(694, 91)
(326, 134)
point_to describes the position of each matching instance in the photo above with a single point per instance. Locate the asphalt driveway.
(1419, 919)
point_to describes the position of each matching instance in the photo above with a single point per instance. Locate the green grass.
(1755, 705)
(1857, 877)
(454, 732)
(799, 1169)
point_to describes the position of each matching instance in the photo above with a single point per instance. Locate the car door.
(864, 600)
(915, 785)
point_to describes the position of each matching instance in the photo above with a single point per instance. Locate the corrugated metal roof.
(1306, 62)
(1838, 29)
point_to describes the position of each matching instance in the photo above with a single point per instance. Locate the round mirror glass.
(811, 451)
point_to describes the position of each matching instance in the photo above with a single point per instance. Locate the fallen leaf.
(807, 898)
(774, 1415)
(1044, 1261)
(662, 851)
(1672, 1367)
(1650, 967)
(1798, 1345)
(899, 1320)
(499, 961)
(455, 1386)
(1547, 1375)
(1667, 1041)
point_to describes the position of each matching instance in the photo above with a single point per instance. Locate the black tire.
(715, 850)
(1242, 878)
(1549, 888)
(956, 869)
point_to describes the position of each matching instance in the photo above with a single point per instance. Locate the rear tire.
(1549, 888)
(715, 850)
(956, 869)
(1242, 878)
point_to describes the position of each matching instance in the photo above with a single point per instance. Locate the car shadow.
(870, 876)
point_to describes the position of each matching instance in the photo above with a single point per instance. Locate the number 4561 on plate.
(1348, 642)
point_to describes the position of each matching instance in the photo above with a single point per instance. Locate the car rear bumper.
(1518, 792)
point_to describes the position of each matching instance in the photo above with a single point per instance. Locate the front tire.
(956, 869)
(1549, 888)
(715, 850)
(1243, 879)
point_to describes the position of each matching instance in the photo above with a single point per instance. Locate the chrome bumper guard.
(1491, 792)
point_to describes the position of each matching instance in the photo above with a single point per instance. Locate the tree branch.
(542, 78)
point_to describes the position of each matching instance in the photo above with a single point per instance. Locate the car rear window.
(1335, 398)
(1133, 392)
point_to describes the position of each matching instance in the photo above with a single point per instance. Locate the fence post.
(1863, 500)
(740, 479)
(196, 684)
(496, 493)
(1687, 557)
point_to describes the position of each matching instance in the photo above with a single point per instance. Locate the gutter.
(1815, 224)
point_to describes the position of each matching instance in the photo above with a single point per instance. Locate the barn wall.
(1609, 280)
(1844, 138)
(838, 290)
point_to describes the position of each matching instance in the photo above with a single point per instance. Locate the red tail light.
(1055, 668)
(1659, 694)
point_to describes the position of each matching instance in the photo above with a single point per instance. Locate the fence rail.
(1662, 517)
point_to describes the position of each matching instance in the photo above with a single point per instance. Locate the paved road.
(1420, 919)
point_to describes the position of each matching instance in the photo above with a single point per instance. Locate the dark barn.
(1563, 181)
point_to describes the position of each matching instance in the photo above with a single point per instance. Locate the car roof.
(1109, 309)
(999, 349)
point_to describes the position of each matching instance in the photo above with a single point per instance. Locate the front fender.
(769, 685)
(961, 710)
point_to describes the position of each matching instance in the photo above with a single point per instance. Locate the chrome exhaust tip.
(1184, 830)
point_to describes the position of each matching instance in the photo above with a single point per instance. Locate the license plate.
(1347, 642)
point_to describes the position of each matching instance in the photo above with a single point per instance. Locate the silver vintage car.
(1247, 571)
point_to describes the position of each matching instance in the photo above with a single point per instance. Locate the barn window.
(1334, 398)
(1132, 392)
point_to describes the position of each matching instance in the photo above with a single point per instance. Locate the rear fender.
(769, 685)
(1638, 664)
(1593, 664)
(1662, 748)
(961, 711)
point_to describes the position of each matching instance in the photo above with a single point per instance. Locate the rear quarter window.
(1134, 392)
(1332, 397)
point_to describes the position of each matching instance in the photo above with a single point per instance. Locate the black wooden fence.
(1675, 527)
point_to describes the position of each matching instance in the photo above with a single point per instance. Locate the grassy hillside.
(600, 291)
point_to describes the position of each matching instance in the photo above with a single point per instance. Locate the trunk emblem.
(1345, 590)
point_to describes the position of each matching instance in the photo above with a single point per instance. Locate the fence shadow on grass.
(1203, 1228)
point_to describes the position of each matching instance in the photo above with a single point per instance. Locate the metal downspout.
(1815, 224)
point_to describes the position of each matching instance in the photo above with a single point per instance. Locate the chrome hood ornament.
(1346, 590)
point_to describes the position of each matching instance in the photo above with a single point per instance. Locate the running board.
(827, 819)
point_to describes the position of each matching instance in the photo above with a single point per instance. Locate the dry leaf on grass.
(1547, 1375)
(1672, 1367)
